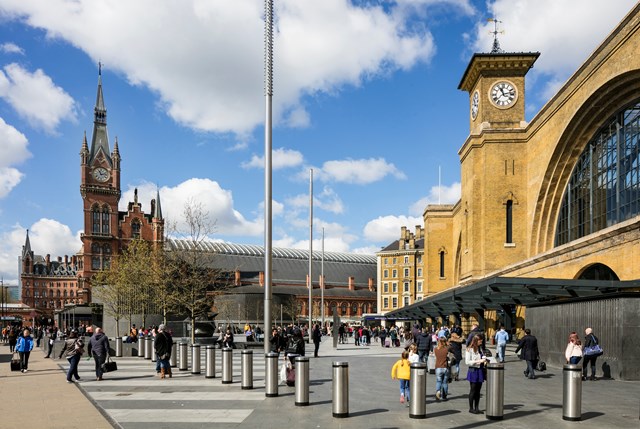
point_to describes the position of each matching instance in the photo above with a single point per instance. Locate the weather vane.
(496, 45)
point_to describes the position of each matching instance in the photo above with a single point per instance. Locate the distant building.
(401, 271)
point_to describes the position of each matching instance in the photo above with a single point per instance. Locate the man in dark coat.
(316, 336)
(99, 349)
(529, 346)
(163, 345)
(423, 341)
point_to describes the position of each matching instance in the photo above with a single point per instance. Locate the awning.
(499, 293)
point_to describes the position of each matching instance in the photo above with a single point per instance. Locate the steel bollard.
(210, 362)
(142, 347)
(246, 365)
(183, 357)
(302, 380)
(271, 374)
(148, 348)
(195, 359)
(340, 388)
(227, 365)
(572, 392)
(119, 347)
(418, 391)
(495, 391)
(154, 355)
(173, 359)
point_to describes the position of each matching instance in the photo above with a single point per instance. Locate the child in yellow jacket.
(402, 371)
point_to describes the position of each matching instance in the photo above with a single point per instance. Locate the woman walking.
(573, 352)
(455, 344)
(442, 369)
(589, 340)
(24, 345)
(72, 350)
(475, 375)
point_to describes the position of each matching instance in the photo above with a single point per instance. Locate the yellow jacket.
(401, 369)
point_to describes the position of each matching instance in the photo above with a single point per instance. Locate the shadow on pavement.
(368, 412)
(442, 413)
(591, 415)
(321, 402)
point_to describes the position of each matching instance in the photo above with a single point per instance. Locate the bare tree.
(113, 288)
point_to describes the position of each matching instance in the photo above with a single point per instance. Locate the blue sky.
(365, 93)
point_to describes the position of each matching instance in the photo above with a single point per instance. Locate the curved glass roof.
(278, 252)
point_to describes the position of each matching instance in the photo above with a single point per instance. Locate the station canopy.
(500, 293)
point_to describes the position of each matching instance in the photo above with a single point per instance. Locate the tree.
(195, 278)
(112, 288)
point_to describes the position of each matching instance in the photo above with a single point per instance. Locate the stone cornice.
(512, 64)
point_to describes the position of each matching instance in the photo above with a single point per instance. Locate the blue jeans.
(442, 374)
(404, 388)
(500, 351)
(422, 355)
(73, 367)
(574, 360)
(531, 365)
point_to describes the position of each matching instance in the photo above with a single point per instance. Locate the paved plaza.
(134, 397)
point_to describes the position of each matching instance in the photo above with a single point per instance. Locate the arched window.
(441, 254)
(509, 221)
(95, 220)
(604, 188)
(100, 220)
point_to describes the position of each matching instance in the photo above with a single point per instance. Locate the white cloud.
(357, 171)
(280, 158)
(320, 46)
(36, 98)
(564, 32)
(326, 200)
(13, 147)
(437, 195)
(46, 236)
(386, 229)
(11, 48)
(217, 202)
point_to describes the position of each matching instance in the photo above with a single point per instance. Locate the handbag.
(109, 365)
(594, 350)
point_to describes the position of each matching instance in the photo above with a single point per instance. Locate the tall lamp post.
(310, 308)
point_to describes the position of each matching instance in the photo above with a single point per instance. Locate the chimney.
(153, 206)
(74, 260)
(352, 283)
(418, 232)
(236, 280)
(261, 278)
(47, 259)
(371, 287)
(66, 259)
(403, 232)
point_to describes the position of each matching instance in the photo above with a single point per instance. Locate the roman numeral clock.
(503, 94)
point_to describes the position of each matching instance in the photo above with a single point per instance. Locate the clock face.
(101, 174)
(475, 102)
(503, 94)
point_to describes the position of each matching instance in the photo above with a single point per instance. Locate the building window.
(406, 259)
(135, 228)
(395, 302)
(95, 220)
(509, 221)
(419, 286)
(603, 188)
(105, 221)
(419, 274)
(406, 301)
(442, 264)
(406, 286)
(394, 273)
(343, 309)
(419, 298)
(354, 309)
(394, 287)
(406, 272)
(386, 274)
(385, 287)
(385, 261)
(419, 259)
(395, 261)
(385, 302)
(100, 220)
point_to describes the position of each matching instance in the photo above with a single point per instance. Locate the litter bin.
(195, 359)
(302, 380)
(227, 365)
(246, 366)
(183, 356)
(210, 362)
(340, 394)
(271, 374)
(418, 391)
(495, 391)
(572, 392)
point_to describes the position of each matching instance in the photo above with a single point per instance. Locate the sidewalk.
(41, 398)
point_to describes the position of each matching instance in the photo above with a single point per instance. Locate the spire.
(26, 249)
(157, 212)
(496, 44)
(84, 150)
(100, 138)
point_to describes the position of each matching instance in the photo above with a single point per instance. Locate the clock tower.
(100, 190)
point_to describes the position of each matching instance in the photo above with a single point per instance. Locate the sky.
(364, 94)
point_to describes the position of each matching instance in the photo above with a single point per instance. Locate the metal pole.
(418, 391)
(495, 391)
(322, 282)
(210, 362)
(246, 365)
(271, 378)
(302, 380)
(340, 394)
(268, 221)
(310, 308)
(572, 392)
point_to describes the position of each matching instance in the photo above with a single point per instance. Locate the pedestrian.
(274, 341)
(163, 345)
(589, 340)
(50, 340)
(475, 330)
(24, 345)
(501, 337)
(573, 352)
(393, 334)
(442, 368)
(401, 370)
(13, 339)
(529, 346)
(72, 350)
(423, 341)
(316, 336)
(383, 336)
(99, 350)
(455, 345)
(476, 362)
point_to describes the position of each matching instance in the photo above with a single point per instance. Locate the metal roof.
(496, 292)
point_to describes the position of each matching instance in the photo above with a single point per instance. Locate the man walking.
(501, 343)
(529, 346)
(99, 349)
(424, 345)
(163, 345)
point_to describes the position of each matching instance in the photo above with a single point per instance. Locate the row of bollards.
(571, 395)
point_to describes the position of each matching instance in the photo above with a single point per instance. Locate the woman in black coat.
(589, 340)
(529, 346)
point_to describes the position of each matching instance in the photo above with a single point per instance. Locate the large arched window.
(135, 228)
(100, 220)
(604, 188)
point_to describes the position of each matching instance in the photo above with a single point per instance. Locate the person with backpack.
(72, 350)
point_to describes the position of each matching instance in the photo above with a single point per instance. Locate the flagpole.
(322, 281)
(310, 308)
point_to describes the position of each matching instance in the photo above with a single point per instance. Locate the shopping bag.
(109, 365)
(283, 373)
(291, 376)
